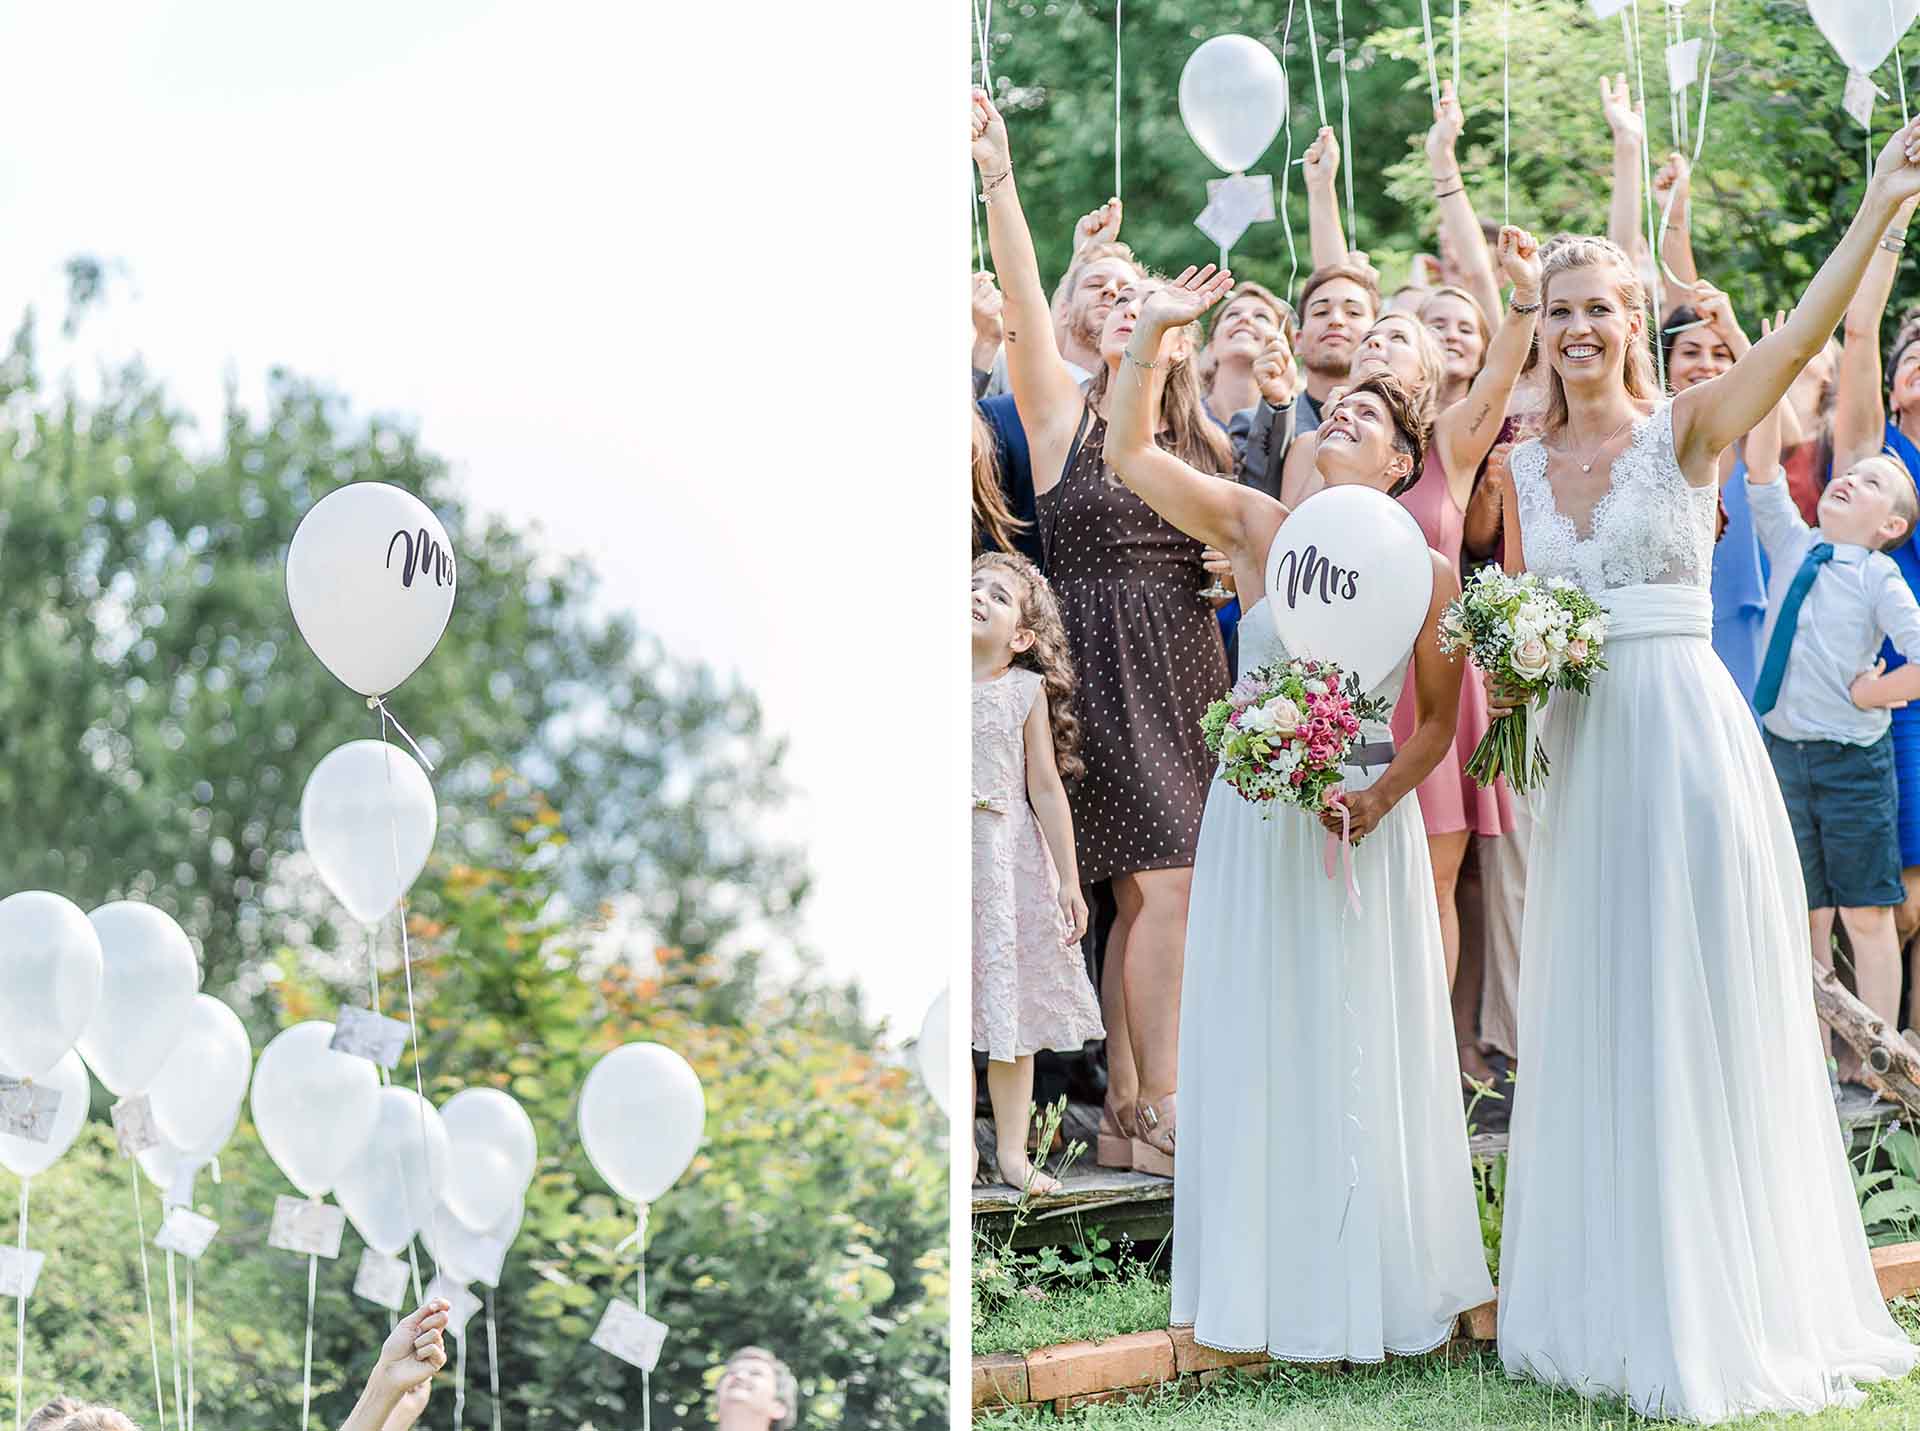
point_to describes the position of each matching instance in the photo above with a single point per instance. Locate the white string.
(413, 1020)
(189, 1344)
(1631, 33)
(306, 1371)
(379, 703)
(1286, 169)
(1456, 48)
(1117, 6)
(973, 189)
(20, 1319)
(1706, 81)
(1433, 73)
(1346, 121)
(1676, 108)
(493, 1362)
(1506, 123)
(1899, 67)
(146, 1286)
(1313, 43)
(460, 1381)
(173, 1340)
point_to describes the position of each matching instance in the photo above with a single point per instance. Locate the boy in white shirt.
(1823, 700)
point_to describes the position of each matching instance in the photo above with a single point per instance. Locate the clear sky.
(629, 271)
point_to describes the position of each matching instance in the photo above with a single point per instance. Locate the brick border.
(1076, 1374)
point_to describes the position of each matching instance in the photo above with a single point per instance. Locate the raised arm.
(1043, 388)
(1459, 225)
(987, 332)
(1859, 415)
(1322, 166)
(1625, 225)
(1712, 415)
(1673, 196)
(1467, 430)
(1212, 509)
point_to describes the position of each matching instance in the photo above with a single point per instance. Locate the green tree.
(159, 713)
(813, 1220)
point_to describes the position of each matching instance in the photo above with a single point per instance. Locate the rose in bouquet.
(1534, 635)
(1284, 731)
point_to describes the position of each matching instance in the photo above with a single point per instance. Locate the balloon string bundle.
(1117, 7)
(146, 1287)
(1706, 81)
(20, 1322)
(1346, 119)
(1433, 73)
(1313, 44)
(493, 1361)
(1286, 169)
(1630, 33)
(413, 1020)
(306, 1365)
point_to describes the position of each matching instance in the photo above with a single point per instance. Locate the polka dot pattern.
(1149, 656)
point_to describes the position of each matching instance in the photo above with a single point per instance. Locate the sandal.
(1113, 1145)
(1153, 1147)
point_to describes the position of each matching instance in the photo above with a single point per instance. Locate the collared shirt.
(1856, 600)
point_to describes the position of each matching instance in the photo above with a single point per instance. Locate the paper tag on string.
(186, 1232)
(1248, 195)
(133, 1124)
(302, 1226)
(1858, 97)
(19, 1271)
(27, 1109)
(630, 1334)
(1606, 9)
(365, 1034)
(462, 1304)
(381, 1279)
(1683, 64)
(1219, 223)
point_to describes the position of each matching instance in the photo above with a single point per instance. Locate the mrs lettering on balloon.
(1304, 571)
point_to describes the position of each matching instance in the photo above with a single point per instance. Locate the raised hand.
(1175, 304)
(1100, 226)
(987, 303)
(1448, 121)
(1275, 373)
(1717, 309)
(1673, 182)
(1358, 259)
(1518, 253)
(1898, 168)
(989, 133)
(1322, 161)
(414, 1350)
(1623, 116)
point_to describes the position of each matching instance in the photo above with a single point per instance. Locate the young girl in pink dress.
(1030, 987)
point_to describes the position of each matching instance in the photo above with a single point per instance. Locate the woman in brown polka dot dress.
(1146, 646)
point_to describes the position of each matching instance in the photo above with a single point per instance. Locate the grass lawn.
(1415, 1395)
(1137, 1302)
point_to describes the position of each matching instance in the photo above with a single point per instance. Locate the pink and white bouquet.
(1535, 634)
(1284, 731)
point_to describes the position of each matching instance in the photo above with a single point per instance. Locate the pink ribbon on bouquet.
(1345, 848)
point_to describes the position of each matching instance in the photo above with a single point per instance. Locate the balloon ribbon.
(639, 1236)
(306, 1368)
(20, 1314)
(146, 1286)
(493, 1361)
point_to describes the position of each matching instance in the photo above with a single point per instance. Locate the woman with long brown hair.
(1145, 643)
(1680, 1227)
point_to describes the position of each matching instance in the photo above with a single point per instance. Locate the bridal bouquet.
(1284, 730)
(1534, 634)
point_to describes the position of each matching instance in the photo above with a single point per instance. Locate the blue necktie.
(1766, 692)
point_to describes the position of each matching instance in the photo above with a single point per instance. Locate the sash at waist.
(1637, 612)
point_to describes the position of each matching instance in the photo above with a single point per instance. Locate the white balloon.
(50, 965)
(390, 1190)
(1864, 32)
(370, 577)
(199, 1089)
(466, 1255)
(642, 1113)
(69, 1077)
(932, 1051)
(167, 1166)
(149, 978)
(315, 1108)
(494, 1152)
(1349, 580)
(362, 802)
(1233, 99)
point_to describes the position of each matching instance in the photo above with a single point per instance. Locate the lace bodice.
(1000, 710)
(1651, 527)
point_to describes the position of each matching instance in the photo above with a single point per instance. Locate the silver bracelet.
(1523, 309)
(1136, 360)
(1892, 244)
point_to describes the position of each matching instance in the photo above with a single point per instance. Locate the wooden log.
(1891, 1063)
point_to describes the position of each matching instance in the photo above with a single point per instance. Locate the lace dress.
(1323, 1202)
(1680, 1226)
(1030, 988)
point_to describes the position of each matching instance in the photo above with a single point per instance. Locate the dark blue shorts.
(1844, 802)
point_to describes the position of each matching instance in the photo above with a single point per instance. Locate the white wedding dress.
(1323, 1198)
(1680, 1225)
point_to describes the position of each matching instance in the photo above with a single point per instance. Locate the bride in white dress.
(1680, 1226)
(1323, 1196)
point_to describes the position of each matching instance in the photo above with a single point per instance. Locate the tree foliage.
(813, 1220)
